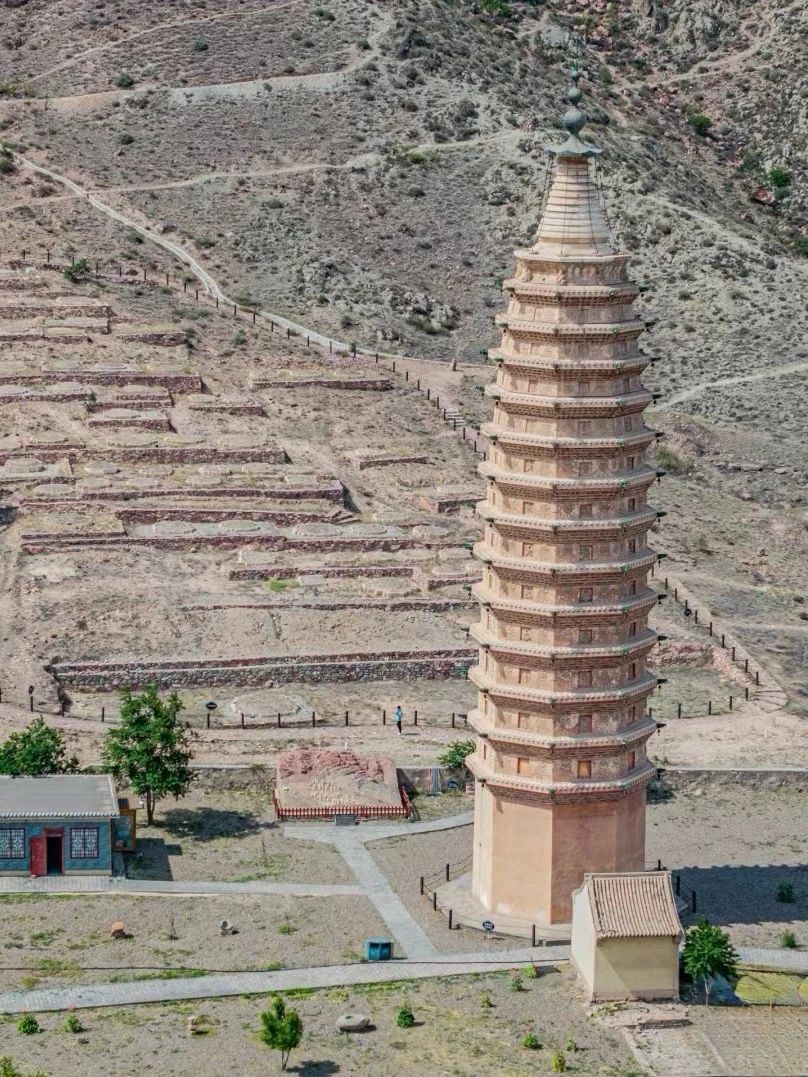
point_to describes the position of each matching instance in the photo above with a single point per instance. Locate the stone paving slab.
(781, 960)
(247, 983)
(104, 884)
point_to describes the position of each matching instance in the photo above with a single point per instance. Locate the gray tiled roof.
(632, 903)
(55, 796)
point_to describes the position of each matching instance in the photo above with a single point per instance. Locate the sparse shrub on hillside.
(126, 139)
(788, 940)
(667, 459)
(531, 1041)
(778, 178)
(325, 14)
(495, 7)
(700, 123)
(123, 81)
(9, 89)
(28, 1025)
(801, 246)
(200, 45)
(7, 165)
(73, 1024)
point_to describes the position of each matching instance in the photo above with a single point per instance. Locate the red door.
(39, 855)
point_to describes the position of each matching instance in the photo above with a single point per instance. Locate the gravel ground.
(58, 940)
(454, 1034)
(229, 837)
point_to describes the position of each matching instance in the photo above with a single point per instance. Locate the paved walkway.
(781, 960)
(350, 844)
(248, 983)
(105, 884)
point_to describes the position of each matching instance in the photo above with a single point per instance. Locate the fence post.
(384, 717)
(733, 654)
(746, 692)
(722, 639)
(659, 865)
(453, 719)
(103, 713)
(434, 900)
(313, 719)
(448, 870)
(757, 677)
(415, 718)
(279, 719)
(422, 886)
(532, 934)
(450, 919)
(242, 719)
(709, 706)
(207, 719)
(695, 617)
(730, 702)
(346, 717)
(711, 628)
(678, 710)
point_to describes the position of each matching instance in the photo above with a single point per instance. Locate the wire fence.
(210, 717)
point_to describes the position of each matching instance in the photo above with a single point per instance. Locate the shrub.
(530, 972)
(558, 1063)
(485, 1001)
(531, 1042)
(516, 983)
(72, 1024)
(324, 14)
(700, 123)
(28, 1025)
(495, 7)
(455, 754)
(788, 940)
(405, 1018)
(123, 81)
(126, 139)
(785, 892)
(801, 246)
(778, 177)
(668, 459)
(571, 1045)
(200, 45)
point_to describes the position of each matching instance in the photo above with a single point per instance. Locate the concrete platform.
(468, 912)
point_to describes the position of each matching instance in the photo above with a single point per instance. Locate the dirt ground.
(66, 940)
(228, 837)
(454, 1034)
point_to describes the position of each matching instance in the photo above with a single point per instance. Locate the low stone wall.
(45, 396)
(285, 572)
(362, 384)
(267, 672)
(386, 461)
(181, 383)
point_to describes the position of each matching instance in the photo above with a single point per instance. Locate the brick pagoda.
(562, 725)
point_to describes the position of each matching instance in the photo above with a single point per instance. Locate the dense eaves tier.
(563, 637)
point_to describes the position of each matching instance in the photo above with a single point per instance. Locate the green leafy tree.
(700, 123)
(281, 1029)
(35, 750)
(455, 754)
(708, 953)
(8, 1068)
(151, 748)
(76, 271)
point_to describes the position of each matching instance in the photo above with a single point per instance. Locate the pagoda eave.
(558, 701)
(547, 745)
(567, 615)
(572, 791)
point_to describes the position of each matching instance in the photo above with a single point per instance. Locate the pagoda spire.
(574, 218)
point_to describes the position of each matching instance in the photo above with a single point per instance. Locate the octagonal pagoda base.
(468, 912)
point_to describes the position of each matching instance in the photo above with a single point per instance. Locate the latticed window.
(84, 842)
(12, 843)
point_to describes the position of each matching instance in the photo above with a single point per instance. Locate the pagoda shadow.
(747, 893)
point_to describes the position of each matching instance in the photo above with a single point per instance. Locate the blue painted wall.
(103, 863)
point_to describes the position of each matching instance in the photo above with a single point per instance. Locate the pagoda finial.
(574, 121)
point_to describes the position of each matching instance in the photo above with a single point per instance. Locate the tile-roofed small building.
(626, 934)
(633, 904)
(61, 824)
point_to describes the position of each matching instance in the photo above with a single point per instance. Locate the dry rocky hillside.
(366, 169)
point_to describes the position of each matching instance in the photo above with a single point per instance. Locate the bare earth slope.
(366, 169)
